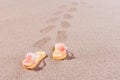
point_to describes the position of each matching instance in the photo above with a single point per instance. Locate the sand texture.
(89, 28)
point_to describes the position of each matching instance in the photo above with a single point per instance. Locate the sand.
(89, 28)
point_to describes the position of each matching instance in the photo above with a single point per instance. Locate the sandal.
(32, 59)
(60, 52)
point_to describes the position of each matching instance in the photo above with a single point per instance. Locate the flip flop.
(60, 52)
(32, 59)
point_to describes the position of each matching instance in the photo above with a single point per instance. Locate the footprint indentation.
(52, 20)
(42, 42)
(61, 36)
(84, 3)
(72, 10)
(65, 24)
(58, 12)
(67, 16)
(75, 3)
(62, 7)
(47, 29)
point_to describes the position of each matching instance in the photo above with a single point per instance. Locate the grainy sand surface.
(89, 28)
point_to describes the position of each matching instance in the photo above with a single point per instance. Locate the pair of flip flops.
(32, 59)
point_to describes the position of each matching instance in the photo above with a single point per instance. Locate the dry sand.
(90, 29)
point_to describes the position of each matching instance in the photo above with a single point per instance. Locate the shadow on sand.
(70, 55)
(42, 63)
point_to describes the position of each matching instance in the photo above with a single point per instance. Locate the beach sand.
(89, 28)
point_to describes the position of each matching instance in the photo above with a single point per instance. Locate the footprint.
(52, 20)
(61, 36)
(62, 7)
(47, 29)
(65, 24)
(84, 3)
(58, 12)
(72, 9)
(75, 3)
(42, 42)
(67, 16)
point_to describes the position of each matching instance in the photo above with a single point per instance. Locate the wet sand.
(90, 29)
